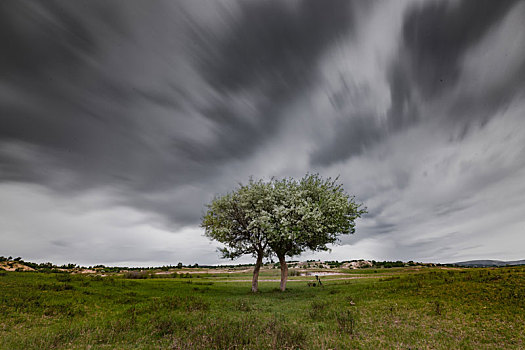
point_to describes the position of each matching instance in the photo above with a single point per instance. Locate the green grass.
(408, 309)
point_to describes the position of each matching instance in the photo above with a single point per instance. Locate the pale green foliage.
(288, 216)
(237, 220)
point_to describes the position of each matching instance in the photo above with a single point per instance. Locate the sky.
(120, 120)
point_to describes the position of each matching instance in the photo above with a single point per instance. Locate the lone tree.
(282, 217)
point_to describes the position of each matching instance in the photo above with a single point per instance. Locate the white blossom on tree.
(282, 217)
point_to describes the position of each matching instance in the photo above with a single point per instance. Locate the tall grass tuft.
(346, 321)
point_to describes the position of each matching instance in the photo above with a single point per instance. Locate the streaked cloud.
(119, 121)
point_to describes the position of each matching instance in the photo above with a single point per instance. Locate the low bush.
(294, 272)
(136, 275)
(63, 277)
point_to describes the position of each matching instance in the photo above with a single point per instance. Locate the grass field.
(428, 308)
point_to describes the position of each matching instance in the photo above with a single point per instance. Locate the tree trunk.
(284, 272)
(255, 279)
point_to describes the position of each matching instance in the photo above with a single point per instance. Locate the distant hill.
(489, 263)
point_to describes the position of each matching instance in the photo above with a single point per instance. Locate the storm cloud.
(121, 120)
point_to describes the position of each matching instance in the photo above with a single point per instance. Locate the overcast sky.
(120, 120)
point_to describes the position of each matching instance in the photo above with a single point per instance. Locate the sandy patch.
(13, 266)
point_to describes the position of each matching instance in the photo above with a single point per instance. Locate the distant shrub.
(387, 279)
(57, 287)
(294, 272)
(63, 277)
(136, 274)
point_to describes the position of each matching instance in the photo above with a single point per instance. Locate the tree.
(309, 214)
(282, 217)
(237, 220)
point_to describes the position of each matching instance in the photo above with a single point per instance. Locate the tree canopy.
(281, 217)
(236, 220)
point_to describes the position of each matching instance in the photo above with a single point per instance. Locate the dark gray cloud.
(267, 55)
(354, 134)
(39, 38)
(273, 45)
(435, 37)
(436, 34)
(83, 110)
(433, 63)
(357, 128)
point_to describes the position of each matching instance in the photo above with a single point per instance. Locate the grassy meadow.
(403, 308)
